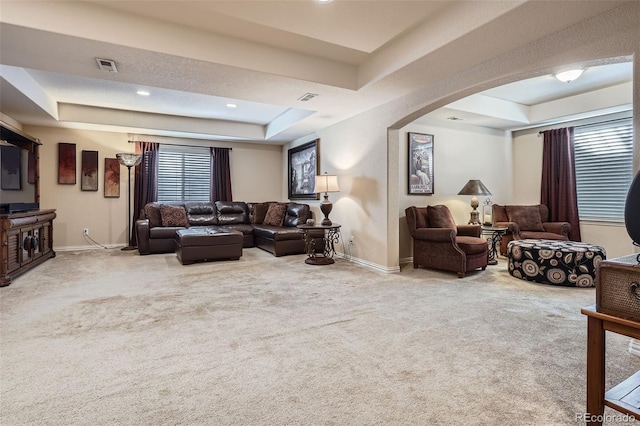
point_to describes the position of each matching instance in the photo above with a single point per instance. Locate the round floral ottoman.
(565, 263)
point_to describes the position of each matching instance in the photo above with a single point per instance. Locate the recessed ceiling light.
(454, 118)
(231, 105)
(143, 93)
(323, 1)
(569, 76)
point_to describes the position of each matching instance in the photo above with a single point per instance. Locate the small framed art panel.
(111, 178)
(67, 163)
(89, 178)
(420, 179)
(302, 169)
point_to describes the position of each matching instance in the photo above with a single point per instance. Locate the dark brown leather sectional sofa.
(155, 237)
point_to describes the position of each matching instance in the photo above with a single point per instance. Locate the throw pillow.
(152, 212)
(440, 217)
(173, 216)
(527, 217)
(275, 214)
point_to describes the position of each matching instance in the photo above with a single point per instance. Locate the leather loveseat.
(271, 226)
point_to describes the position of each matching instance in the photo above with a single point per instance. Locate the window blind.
(184, 173)
(604, 168)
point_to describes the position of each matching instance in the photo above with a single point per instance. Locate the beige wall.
(254, 169)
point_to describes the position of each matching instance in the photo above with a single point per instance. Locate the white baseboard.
(75, 248)
(371, 265)
(634, 347)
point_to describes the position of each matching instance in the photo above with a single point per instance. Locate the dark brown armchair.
(439, 243)
(524, 222)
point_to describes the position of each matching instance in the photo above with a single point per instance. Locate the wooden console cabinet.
(26, 240)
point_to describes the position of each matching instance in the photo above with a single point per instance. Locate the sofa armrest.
(470, 230)
(435, 234)
(142, 233)
(561, 228)
(512, 227)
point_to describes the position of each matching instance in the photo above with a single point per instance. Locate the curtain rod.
(180, 144)
(593, 124)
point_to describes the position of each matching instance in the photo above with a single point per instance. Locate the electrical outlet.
(85, 231)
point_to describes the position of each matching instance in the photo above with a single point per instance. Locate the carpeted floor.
(110, 337)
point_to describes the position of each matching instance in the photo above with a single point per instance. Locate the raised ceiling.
(195, 57)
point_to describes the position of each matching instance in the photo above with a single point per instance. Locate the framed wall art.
(89, 176)
(67, 163)
(420, 164)
(302, 170)
(10, 168)
(111, 178)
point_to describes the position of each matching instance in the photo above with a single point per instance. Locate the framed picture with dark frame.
(303, 166)
(420, 179)
(10, 168)
(89, 175)
(67, 163)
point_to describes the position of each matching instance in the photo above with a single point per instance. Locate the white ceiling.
(195, 57)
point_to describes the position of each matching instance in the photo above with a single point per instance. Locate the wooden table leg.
(595, 370)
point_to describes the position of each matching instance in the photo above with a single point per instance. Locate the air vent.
(107, 65)
(307, 97)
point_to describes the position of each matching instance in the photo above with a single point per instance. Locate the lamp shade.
(129, 159)
(474, 187)
(327, 183)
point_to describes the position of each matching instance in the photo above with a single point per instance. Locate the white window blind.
(604, 168)
(184, 173)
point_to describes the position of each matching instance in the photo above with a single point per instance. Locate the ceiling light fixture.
(143, 93)
(323, 1)
(231, 105)
(569, 76)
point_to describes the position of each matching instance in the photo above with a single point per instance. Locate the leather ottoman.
(201, 244)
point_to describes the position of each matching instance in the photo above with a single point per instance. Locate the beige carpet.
(110, 337)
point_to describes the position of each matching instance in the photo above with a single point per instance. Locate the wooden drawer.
(618, 287)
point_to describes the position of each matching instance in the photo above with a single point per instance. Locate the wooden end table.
(331, 235)
(625, 397)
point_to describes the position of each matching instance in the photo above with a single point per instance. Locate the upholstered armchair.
(524, 222)
(439, 243)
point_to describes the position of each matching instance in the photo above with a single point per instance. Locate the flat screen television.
(18, 171)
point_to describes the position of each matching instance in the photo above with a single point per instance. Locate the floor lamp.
(129, 160)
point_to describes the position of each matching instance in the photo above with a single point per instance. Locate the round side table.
(494, 237)
(331, 237)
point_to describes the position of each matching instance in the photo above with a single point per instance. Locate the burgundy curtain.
(558, 191)
(220, 175)
(146, 181)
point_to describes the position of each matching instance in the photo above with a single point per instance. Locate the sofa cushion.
(277, 233)
(527, 217)
(257, 211)
(152, 212)
(440, 217)
(297, 214)
(173, 215)
(201, 213)
(472, 245)
(232, 212)
(275, 214)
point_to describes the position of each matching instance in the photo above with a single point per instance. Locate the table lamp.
(326, 183)
(474, 187)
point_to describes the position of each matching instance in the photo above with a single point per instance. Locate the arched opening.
(502, 147)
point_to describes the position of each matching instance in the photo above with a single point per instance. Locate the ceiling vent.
(107, 65)
(307, 97)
